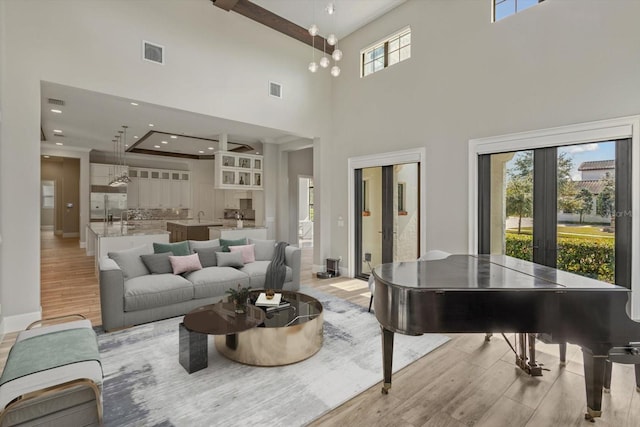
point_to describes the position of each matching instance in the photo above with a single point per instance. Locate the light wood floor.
(466, 382)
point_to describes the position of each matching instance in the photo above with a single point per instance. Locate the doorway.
(305, 212)
(567, 207)
(387, 215)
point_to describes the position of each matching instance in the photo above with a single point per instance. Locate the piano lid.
(468, 272)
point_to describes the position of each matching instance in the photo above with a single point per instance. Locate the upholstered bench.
(53, 376)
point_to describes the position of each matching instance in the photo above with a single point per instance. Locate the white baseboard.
(74, 234)
(19, 322)
(83, 244)
(91, 253)
(46, 227)
(315, 268)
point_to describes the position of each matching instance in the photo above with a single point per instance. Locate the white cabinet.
(238, 171)
(102, 174)
(159, 188)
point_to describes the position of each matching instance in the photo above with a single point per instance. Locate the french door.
(567, 207)
(387, 200)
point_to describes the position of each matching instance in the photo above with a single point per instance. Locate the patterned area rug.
(146, 386)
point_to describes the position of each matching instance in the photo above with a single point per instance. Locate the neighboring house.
(596, 170)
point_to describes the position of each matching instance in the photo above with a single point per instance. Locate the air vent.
(152, 52)
(58, 135)
(54, 101)
(275, 89)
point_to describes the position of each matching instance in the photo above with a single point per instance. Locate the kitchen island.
(233, 233)
(103, 238)
(190, 229)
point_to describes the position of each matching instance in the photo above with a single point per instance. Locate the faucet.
(201, 212)
(123, 214)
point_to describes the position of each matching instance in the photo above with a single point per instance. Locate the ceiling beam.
(259, 14)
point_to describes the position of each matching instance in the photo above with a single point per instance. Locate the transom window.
(390, 51)
(504, 8)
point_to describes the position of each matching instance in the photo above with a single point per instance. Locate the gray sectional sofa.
(131, 294)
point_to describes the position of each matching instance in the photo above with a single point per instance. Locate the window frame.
(384, 43)
(494, 4)
(609, 129)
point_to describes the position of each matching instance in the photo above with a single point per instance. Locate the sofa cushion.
(157, 290)
(247, 251)
(197, 244)
(229, 259)
(215, 281)
(178, 249)
(130, 262)
(257, 272)
(226, 243)
(264, 249)
(208, 256)
(185, 264)
(157, 263)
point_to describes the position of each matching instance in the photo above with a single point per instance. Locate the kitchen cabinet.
(187, 230)
(238, 171)
(101, 174)
(159, 188)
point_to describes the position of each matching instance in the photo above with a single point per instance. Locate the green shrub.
(593, 258)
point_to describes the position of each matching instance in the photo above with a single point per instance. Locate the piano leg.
(594, 370)
(563, 354)
(387, 358)
(607, 376)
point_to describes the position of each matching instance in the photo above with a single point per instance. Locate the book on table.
(262, 300)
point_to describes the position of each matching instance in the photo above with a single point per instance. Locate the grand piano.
(499, 294)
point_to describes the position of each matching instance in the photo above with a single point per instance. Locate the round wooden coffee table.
(290, 333)
(218, 319)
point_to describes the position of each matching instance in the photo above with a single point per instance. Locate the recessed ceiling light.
(47, 157)
(56, 111)
(135, 136)
(57, 131)
(201, 152)
(126, 145)
(257, 152)
(150, 124)
(210, 148)
(156, 146)
(59, 143)
(165, 142)
(174, 137)
(135, 104)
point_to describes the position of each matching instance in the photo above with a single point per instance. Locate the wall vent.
(152, 52)
(275, 89)
(54, 101)
(58, 135)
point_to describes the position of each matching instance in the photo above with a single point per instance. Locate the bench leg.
(193, 354)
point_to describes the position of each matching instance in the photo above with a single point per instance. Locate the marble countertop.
(114, 230)
(195, 222)
(236, 228)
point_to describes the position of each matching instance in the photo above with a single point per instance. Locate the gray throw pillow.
(198, 244)
(158, 263)
(264, 249)
(208, 256)
(229, 259)
(237, 242)
(130, 262)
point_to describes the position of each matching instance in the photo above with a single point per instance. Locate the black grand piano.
(499, 294)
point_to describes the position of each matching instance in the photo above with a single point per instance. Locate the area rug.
(146, 386)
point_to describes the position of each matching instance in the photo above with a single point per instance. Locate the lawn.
(575, 231)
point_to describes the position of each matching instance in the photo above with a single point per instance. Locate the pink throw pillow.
(248, 252)
(184, 264)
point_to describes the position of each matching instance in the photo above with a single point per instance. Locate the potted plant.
(239, 297)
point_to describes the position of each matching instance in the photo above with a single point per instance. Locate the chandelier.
(332, 40)
(120, 176)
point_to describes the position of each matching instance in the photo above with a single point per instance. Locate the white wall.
(559, 62)
(300, 164)
(217, 63)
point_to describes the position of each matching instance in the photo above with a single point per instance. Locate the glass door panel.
(371, 222)
(405, 212)
(586, 210)
(511, 214)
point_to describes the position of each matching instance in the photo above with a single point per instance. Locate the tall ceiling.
(92, 120)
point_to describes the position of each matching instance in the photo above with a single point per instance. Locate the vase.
(240, 308)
